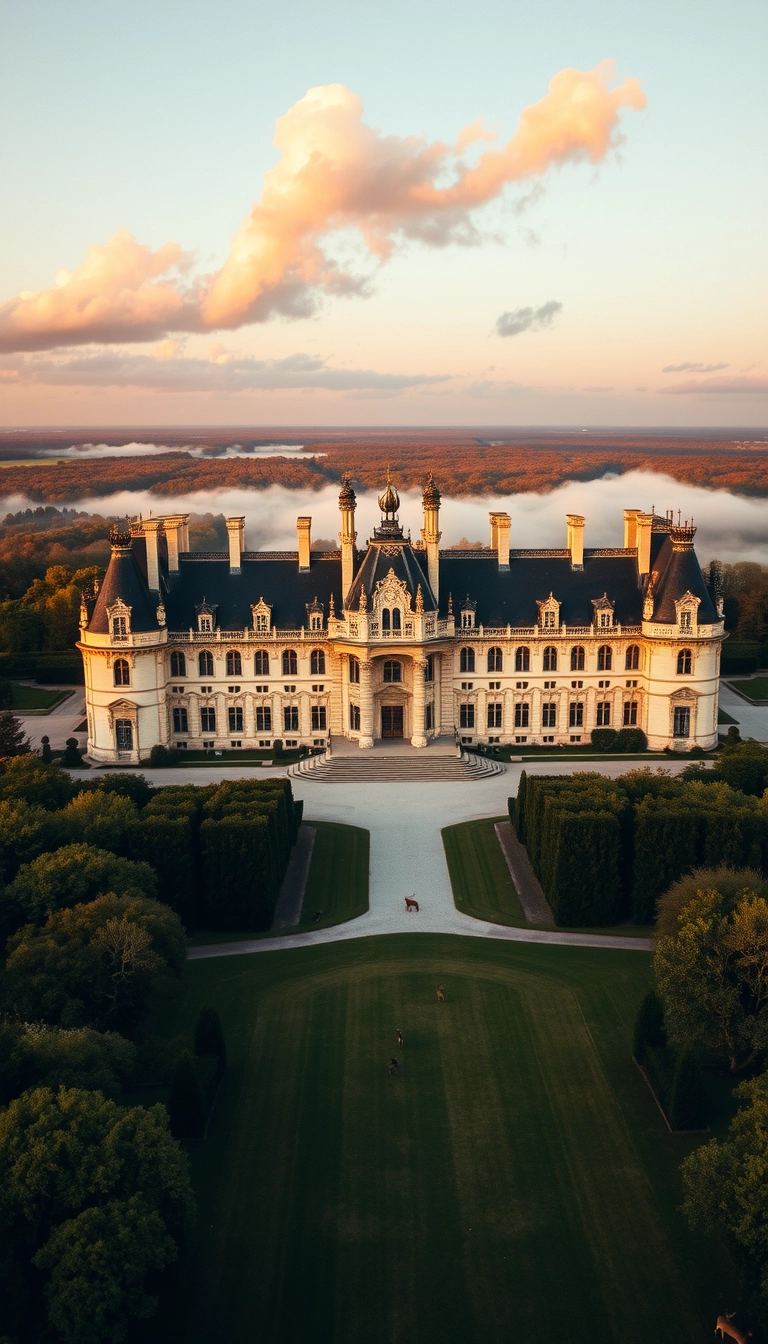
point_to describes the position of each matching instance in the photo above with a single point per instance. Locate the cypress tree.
(186, 1107)
(12, 739)
(209, 1038)
(72, 755)
(687, 1107)
(649, 1026)
(46, 753)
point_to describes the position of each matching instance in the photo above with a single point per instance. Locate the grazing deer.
(411, 904)
(724, 1327)
(400, 1038)
(440, 994)
(318, 915)
(393, 1068)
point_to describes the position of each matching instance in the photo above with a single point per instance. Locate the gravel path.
(291, 898)
(534, 902)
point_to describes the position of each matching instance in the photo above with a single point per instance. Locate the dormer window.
(603, 612)
(119, 617)
(262, 616)
(315, 615)
(119, 627)
(204, 624)
(468, 614)
(687, 611)
(685, 620)
(206, 617)
(549, 613)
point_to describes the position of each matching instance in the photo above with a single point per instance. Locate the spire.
(389, 501)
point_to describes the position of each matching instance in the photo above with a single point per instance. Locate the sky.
(418, 213)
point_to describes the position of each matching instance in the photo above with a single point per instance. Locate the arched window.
(261, 663)
(178, 664)
(550, 659)
(385, 618)
(392, 670)
(205, 664)
(494, 660)
(577, 658)
(317, 663)
(123, 672)
(354, 670)
(290, 663)
(234, 664)
(467, 660)
(684, 663)
(604, 658)
(395, 618)
(632, 658)
(522, 659)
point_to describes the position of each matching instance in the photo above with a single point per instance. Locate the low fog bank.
(81, 451)
(730, 528)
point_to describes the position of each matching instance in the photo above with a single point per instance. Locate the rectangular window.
(549, 715)
(235, 719)
(429, 715)
(318, 718)
(521, 715)
(549, 620)
(119, 627)
(291, 718)
(630, 713)
(180, 723)
(605, 620)
(682, 726)
(576, 714)
(685, 620)
(354, 718)
(466, 716)
(208, 720)
(603, 713)
(494, 715)
(263, 719)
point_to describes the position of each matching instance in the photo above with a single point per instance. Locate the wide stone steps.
(396, 769)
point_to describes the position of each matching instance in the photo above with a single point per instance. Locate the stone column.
(419, 738)
(366, 703)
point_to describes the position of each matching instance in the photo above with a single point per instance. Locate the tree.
(72, 757)
(186, 1106)
(95, 1197)
(209, 1037)
(94, 964)
(26, 832)
(28, 778)
(730, 882)
(123, 782)
(69, 876)
(12, 739)
(102, 819)
(649, 1026)
(712, 975)
(33, 1055)
(725, 1186)
(745, 767)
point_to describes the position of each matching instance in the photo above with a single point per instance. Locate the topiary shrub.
(604, 739)
(72, 758)
(161, 756)
(186, 1106)
(687, 1104)
(209, 1038)
(45, 750)
(649, 1027)
(631, 739)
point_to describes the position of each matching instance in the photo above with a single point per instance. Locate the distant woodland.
(463, 462)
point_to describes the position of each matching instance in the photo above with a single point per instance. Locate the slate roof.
(679, 572)
(407, 567)
(508, 597)
(124, 579)
(275, 578)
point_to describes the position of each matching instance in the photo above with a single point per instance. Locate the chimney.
(347, 536)
(176, 528)
(304, 526)
(236, 529)
(151, 529)
(644, 525)
(630, 529)
(575, 539)
(430, 534)
(500, 529)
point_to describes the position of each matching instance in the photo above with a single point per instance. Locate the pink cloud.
(334, 172)
(726, 384)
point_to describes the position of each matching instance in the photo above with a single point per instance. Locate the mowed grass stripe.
(482, 886)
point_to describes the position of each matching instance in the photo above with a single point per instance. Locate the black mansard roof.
(403, 560)
(275, 577)
(126, 580)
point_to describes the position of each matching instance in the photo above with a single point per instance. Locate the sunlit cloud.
(528, 319)
(335, 173)
(693, 368)
(730, 384)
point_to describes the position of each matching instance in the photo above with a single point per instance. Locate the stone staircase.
(389, 768)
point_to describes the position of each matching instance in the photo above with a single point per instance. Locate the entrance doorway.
(391, 720)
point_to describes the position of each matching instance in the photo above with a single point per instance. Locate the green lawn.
(754, 689)
(482, 886)
(337, 883)
(514, 1182)
(724, 717)
(25, 698)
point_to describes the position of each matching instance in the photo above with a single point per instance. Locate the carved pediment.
(391, 592)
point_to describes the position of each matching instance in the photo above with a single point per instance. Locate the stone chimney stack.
(152, 527)
(630, 529)
(304, 527)
(431, 534)
(644, 525)
(176, 528)
(575, 539)
(501, 524)
(236, 530)
(347, 535)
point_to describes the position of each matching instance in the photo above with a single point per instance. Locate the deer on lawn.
(411, 904)
(724, 1327)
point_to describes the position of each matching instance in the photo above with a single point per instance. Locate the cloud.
(496, 387)
(164, 371)
(731, 384)
(334, 173)
(528, 319)
(693, 368)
